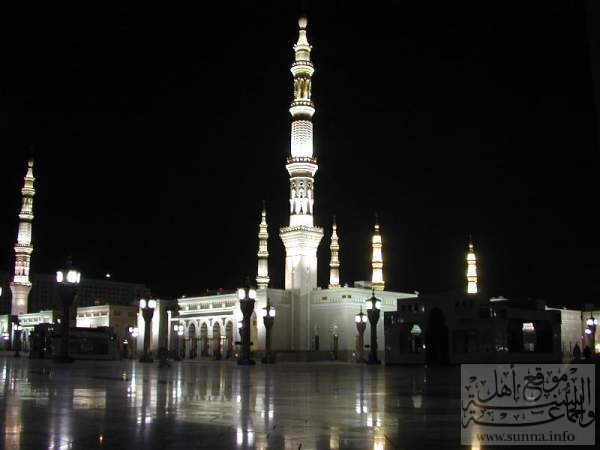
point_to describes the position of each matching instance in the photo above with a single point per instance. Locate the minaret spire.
(471, 269)
(301, 238)
(21, 285)
(301, 165)
(377, 259)
(334, 265)
(262, 277)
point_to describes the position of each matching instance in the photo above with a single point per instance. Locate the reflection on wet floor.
(124, 404)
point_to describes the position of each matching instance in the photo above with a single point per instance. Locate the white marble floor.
(219, 405)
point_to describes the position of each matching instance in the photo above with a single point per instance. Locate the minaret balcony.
(302, 67)
(21, 248)
(300, 108)
(301, 159)
(302, 63)
(297, 165)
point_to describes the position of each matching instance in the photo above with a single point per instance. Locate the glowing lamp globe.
(70, 276)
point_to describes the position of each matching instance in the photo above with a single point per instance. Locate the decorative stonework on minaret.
(262, 277)
(301, 238)
(21, 285)
(377, 259)
(334, 265)
(471, 270)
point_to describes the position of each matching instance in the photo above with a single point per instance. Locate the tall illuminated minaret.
(301, 238)
(377, 259)
(21, 285)
(334, 264)
(471, 269)
(262, 277)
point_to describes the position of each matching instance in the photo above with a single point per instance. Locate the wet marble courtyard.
(219, 405)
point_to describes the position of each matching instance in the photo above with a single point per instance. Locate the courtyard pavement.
(219, 405)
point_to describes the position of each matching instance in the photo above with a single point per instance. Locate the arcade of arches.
(210, 339)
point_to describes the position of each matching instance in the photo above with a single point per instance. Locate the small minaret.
(21, 285)
(262, 277)
(334, 265)
(301, 238)
(471, 269)
(377, 260)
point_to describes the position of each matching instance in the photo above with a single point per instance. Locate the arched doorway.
(216, 341)
(437, 338)
(203, 339)
(193, 341)
(229, 340)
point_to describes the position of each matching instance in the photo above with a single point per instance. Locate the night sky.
(158, 132)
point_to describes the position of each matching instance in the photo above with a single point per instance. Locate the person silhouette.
(576, 353)
(587, 352)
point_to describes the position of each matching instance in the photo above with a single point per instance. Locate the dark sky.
(159, 130)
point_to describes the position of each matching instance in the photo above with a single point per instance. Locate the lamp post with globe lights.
(361, 325)
(268, 320)
(18, 330)
(147, 308)
(133, 333)
(178, 329)
(373, 306)
(247, 297)
(68, 280)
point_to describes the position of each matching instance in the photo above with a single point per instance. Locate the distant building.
(90, 292)
(451, 328)
(117, 317)
(471, 328)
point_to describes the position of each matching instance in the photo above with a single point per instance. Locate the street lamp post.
(373, 306)
(361, 325)
(247, 296)
(178, 329)
(147, 308)
(268, 320)
(591, 323)
(18, 329)
(67, 280)
(133, 333)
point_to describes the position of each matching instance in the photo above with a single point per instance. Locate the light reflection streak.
(86, 398)
(248, 405)
(12, 407)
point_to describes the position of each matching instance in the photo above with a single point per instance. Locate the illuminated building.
(377, 259)
(117, 317)
(301, 238)
(262, 277)
(21, 285)
(334, 264)
(311, 322)
(471, 270)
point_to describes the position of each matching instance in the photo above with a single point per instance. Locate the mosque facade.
(310, 322)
